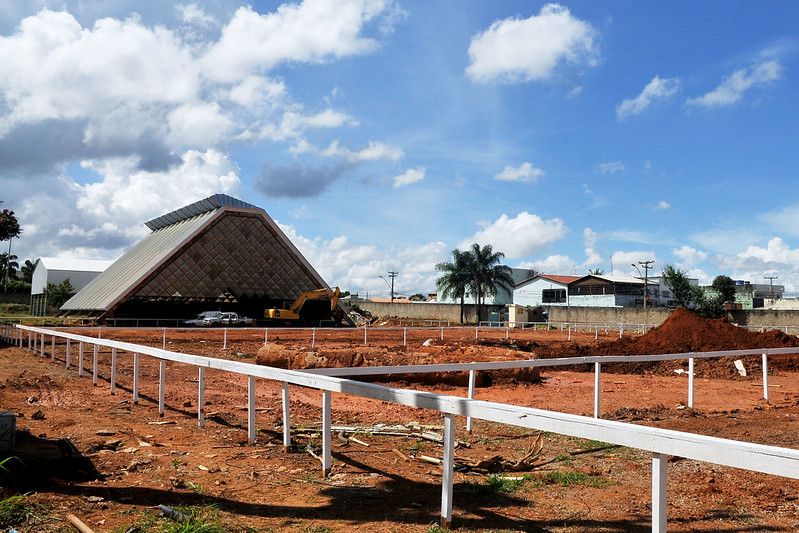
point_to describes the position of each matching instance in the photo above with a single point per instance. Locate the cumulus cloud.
(309, 32)
(412, 175)
(592, 255)
(519, 236)
(662, 206)
(656, 90)
(526, 172)
(530, 49)
(733, 87)
(688, 256)
(102, 219)
(623, 262)
(357, 268)
(611, 168)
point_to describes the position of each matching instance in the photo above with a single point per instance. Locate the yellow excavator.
(292, 313)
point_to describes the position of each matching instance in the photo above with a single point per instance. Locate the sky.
(382, 135)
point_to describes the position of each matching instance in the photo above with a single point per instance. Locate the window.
(553, 296)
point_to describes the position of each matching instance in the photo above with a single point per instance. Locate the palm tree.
(27, 271)
(8, 267)
(488, 274)
(457, 276)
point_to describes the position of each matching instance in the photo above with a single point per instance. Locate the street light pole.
(392, 274)
(647, 265)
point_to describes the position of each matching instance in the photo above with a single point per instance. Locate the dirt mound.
(282, 356)
(684, 332)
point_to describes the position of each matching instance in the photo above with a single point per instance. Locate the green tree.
(488, 275)
(724, 287)
(8, 267)
(9, 225)
(27, 271)
(58, 294)
(456, 277)
(596, 272)
(684, 293)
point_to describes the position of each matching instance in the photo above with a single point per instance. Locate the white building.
(543, 290)
(55, 270)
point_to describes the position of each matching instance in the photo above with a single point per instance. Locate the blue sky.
(382, 135)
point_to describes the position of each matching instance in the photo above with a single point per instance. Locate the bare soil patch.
(110, 461)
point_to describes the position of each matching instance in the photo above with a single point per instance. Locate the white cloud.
(611, 168)
(412, 175)
(784, 220)
(623, 262)
(658, 89)
(555, 265)
(530, 49)
(310, 32)
(662, 205)
(357, 267)
(374, 151)
(734, 86)
(526, 172)
(194, 14)
(592, 255)
(688, 257)
(130, 196)
(777, 258)
(520, 236)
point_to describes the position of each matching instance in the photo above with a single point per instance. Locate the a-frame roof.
(213, 247)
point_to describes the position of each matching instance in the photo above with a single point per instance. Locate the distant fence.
(660, 442)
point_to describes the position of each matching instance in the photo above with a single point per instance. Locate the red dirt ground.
(110, 461)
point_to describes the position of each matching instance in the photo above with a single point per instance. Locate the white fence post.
(266, 336)
(691, 382)
(597, 387)
(161, 386)
(113, 371)
(364, 335)
(80, 359)
(659, 491)
(313, 338)
(135, 377)
(447, 474)
(251, 409)
(68, 355)
(201, 397)
(765, 377)
(472, 380)
(326, 431)
(286, 418)
(163, 344)
(224, 343)
(94, 364)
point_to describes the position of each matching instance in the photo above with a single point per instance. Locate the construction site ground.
(111, 462)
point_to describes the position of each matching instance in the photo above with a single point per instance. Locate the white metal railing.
(660, 442)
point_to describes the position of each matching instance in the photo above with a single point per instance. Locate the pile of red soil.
(685, 332)
(299, 358)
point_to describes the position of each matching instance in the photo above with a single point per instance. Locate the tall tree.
(724, 286)
(596, 272)
(8, 267)
(9, 225)
(27, 271)
(456, 277)
(488, 274)
(684, 293)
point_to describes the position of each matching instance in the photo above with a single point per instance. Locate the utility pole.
(392, 274)
(771, 284)
(646, 265)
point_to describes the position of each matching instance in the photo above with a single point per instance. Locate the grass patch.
(18, 511)
(566, 479)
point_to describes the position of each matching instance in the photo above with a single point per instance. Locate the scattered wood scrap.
(500, 464)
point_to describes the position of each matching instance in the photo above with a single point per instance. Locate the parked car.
(234, 319)
(206, 318)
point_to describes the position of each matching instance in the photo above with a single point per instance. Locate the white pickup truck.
(234, 319)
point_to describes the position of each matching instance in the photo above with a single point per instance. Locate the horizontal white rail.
(661, 442)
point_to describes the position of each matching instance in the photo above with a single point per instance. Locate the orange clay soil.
(110, 462)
